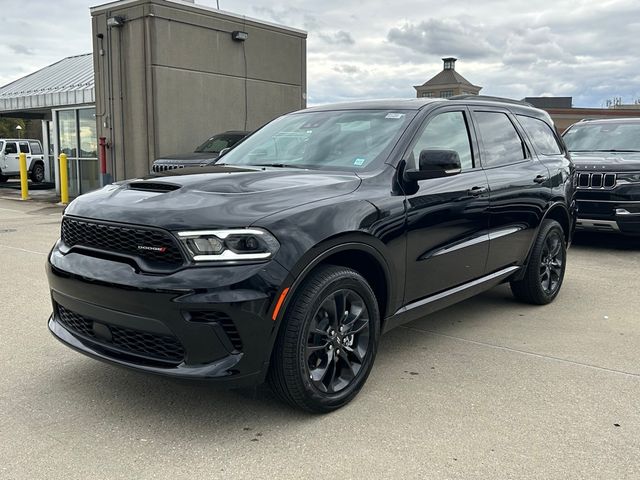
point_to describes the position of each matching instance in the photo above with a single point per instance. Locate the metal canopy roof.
(67, 82)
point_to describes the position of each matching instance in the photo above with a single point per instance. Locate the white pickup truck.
(10, 150)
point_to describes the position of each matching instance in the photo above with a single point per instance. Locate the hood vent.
(153, 186)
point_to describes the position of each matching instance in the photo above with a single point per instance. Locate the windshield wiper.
(278, 165)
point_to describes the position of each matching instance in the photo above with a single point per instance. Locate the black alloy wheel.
(545, 270)
(552, 262)
(338, 341)
(327, 342)
(37, 173)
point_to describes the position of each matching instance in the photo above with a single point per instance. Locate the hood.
(606, 161)
(187, 158)
(210, 197)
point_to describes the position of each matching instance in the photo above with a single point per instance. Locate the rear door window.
(501, 142)
(24, 147)
(541, 135)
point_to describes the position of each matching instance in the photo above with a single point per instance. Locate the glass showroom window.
(77, 137)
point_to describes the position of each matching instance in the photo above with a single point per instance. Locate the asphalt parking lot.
(486, 389)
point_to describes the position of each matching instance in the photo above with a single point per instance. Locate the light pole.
(19, 129)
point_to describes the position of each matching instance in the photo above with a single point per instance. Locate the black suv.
(607, 158)
(203, 155)
(325, 228)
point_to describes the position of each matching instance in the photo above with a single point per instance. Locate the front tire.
(545, 271)
(328, 341)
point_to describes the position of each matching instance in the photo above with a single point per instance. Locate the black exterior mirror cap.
(435, 164)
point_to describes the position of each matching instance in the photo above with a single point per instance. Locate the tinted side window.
(35, 148)
(24, 147)
(11, 148)
(544, 141)
(446, 131)
(501, 142)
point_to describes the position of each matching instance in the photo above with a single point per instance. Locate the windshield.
(335, 140)
(218, 142)
(603, 137)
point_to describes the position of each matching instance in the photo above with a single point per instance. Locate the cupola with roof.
(447, 83)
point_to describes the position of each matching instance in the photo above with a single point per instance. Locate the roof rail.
(488, 98)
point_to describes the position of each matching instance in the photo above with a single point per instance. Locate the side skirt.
(433, 303)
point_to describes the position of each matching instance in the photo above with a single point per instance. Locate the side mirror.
(435, 164)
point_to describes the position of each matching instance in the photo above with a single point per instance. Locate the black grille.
(146, 344)
(596, 180)
(224, 321)
(154, 246)
(163, 167)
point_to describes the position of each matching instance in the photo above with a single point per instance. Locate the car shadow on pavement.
(606, 241)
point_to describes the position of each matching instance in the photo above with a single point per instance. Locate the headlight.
(629, 177)
(234, 244)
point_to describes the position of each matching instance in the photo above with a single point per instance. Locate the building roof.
(67, 82)
(447, 77)
(550, 102)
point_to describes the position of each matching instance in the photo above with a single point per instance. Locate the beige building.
(564, 114)
(447, 83)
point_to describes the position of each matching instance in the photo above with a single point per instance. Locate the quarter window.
(542, 137)
(501, 143)
(446, 131)
(35, 148)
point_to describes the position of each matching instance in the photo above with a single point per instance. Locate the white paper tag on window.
(394, 115)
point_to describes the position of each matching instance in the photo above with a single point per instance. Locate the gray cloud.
(444, 37)
(585, 49)
(21, 50)
(338, 38)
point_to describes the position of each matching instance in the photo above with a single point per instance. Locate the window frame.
(424, 122)
(517, 127)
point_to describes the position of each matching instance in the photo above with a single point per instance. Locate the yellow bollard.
(24, 185)
(64, 180)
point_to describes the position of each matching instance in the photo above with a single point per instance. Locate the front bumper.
(199, 322)
(609, 216)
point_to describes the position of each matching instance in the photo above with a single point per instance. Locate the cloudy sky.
(587, 49)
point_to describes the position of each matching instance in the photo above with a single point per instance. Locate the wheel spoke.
(340, 299)
(311, 349)
(355, 352)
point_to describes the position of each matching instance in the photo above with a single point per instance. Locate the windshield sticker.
(395, 115)
(359, 162)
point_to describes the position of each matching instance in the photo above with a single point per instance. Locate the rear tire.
(545, 271)
(37, 173)
(327, 343)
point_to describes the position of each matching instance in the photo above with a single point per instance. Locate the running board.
(444, 299)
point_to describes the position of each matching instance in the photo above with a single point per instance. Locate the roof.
(447, 77)
(384, 104)
(67, 82)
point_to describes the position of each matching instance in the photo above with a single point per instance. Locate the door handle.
(540, 179)
(475, 191)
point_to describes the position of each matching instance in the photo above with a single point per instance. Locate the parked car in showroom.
(10, 150)
(607, 158)
(287, 259)
(203, 155)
